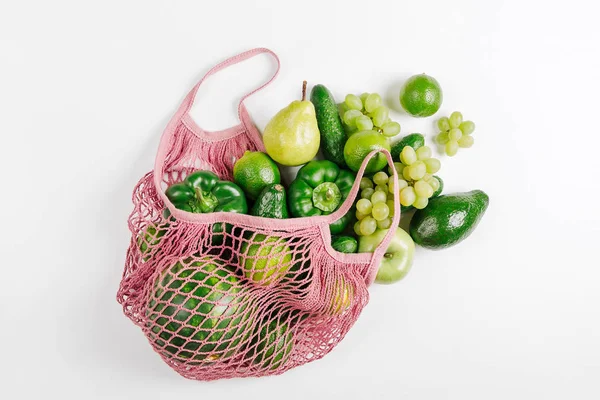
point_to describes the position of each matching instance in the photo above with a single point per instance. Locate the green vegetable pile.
(345, 133)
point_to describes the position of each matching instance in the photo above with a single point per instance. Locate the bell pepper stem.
(206, 203)
(329, 194)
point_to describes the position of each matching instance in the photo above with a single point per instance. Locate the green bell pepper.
(203, 192)
(320, 188)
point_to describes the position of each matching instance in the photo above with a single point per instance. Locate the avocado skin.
(333, 137)
(449, 219)
(271, 202)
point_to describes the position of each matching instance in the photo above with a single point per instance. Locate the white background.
(512, 312)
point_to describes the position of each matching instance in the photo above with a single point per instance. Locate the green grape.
(366, 183)
(368, 226)
(399, 167)
(454, 134)
(451, 148)
(390, 204)
(363, 123)
(353, 102)
(427, 177)
(384, 223)
(433, 165)
(466, 141)
(380, 211)
(364, 206)
(380, 178)
(435, 184)
(367, 193)
(406, 174)
(391, 129)
(420, 203)
(360, 216)
(455, 119)
(357, 228)
(390, 185)
(422, 189)
(442, 138)
(378, 197)
(350, 116)
(401, 184)
(342, 108)
(408, 155)
(372, 102)
(380, 116)
(407, 196)
(382, 188)
(417, 170)
(467, 127)
(443, 124)
(423, 153)
(363, 97)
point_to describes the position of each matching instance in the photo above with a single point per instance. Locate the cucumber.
(271, 202)
(414, 140)
(344, 244)
(435, 194)
(333, 136)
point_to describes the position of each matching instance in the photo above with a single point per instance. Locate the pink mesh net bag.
(224, 295)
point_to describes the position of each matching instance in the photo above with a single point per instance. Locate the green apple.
(265, 259)
(398, 257)
(342, 296)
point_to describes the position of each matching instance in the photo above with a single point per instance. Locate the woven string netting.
(228, 299)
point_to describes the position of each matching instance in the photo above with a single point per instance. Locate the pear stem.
(303, 90)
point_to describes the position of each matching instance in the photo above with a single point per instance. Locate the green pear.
(292, 137)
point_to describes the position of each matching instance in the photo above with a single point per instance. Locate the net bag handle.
(184, 108)
(232, 61)
(345, 208)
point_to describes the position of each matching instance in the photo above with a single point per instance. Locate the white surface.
(513, 312)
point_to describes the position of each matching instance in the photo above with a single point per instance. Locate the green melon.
(199, 311)
(149, 239)
(272, 344)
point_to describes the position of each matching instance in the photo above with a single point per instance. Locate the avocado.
(271, 202)
(414, 140)
(435, 194)
(449, 219)
(333, 137)
(344, 244)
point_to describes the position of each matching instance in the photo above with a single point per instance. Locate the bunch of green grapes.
(455, 133)
(375, 208)
(417, 169)
(367, 112)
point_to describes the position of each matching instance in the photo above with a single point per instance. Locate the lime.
(362, 143)
(254, 171)
(421, 96)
